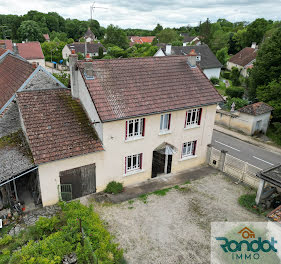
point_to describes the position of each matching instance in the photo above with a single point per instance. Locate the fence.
(239, 169)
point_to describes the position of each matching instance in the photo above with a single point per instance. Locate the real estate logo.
(245, 245)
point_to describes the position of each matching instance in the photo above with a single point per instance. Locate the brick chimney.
(15, 48)
(88, 68)
(73, 58)
(191, 58)
(2, 44)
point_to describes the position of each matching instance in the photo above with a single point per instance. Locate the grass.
(221, 88)
(248, 201)
(275, 137)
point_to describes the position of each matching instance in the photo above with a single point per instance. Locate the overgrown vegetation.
(274, 132)
(76, 229)
(114, 187)
(63, 77)
(248, 201)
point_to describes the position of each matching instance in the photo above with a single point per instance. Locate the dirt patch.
(175, 228)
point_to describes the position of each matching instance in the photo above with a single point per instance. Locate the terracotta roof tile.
(8, 44)
(125, 88)
(2, 51)
(244, 56)
(30, 50)
(13, 73)
(256, 109)
(56, 125)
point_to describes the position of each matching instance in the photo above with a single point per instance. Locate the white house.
(190, 40)
(126, 120)
(206, 59)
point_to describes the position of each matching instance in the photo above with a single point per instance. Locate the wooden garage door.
(82, 179)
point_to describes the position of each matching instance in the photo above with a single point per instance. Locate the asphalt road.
(242, 150)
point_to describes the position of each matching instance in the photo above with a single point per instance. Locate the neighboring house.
(205, 58)
(243, 60)
(46, 37)
(190, 40)
(84, 48)
(140, 40)
(32, 52)
(250, 119)
(129, 132)
(89, 36)
(18, 172)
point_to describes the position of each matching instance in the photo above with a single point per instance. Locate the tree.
(234, 76)
(205, 32)
(29, 30)
(241, 38)
(157, 29)
(100, 52)
(222, 55)
(116, 36)
(256, 30)
(167, 36)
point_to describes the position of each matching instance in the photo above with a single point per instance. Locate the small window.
(165, 122)
(135, 128)
(193, 117)
(189, 149)
(133, 163)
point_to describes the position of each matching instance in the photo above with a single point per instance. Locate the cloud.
(147, 13)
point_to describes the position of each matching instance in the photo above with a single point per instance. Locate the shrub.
(114, 187)
(234, 92)
(248, 201)
(5, 240)
(234, 76)
(215, 80)
(238, 103)
(226, 74)
(46, 226)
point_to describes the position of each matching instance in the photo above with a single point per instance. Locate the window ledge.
(188, 157)
(133, 139)
(133, 172)
(165, 132)
(190, 127)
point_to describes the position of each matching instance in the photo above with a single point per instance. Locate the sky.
(147, 13)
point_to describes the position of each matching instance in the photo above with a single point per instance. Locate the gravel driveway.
(175, 228)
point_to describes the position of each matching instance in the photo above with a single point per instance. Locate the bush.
(234, 76)
(6, 240)
(234, 92)
(215, 80)
(274, 132)
(114, 187)
(248, 201)
(46, 226)
(239, 103)
(226, 74)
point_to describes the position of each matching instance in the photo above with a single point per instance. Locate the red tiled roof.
(30, 50)
(125, 88)
(256, 109)
(2, 51)
(13, 73)
(244, 56)
(56, 125)
(140, 40)
(8, 43)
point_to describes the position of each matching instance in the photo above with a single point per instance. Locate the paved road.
(252, 154)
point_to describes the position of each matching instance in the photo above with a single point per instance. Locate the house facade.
(206, 59)
(137, 132)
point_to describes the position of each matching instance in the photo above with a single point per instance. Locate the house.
(46, 37)
(205, 58)
(89, 36)
(18, 172)
(84, 48)
(250, 119)
(110, 126)
(243, 60)
(190, 40)
(140, 40)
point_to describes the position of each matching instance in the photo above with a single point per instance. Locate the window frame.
(193, 117)
(162, 122)
(134, 166)
(192, 149)
(138, 128)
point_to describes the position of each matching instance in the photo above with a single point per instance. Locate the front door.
(161, 163)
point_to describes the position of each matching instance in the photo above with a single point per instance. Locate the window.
(193, 117)
(135, 128)
(188, 149)
(165, 122)
(198, 58)
(133, 163)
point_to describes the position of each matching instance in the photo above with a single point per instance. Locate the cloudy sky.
(147, 13)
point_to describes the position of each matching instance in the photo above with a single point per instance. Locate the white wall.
(40, 62)
(159, 53)
(110, 164)
(213, 72)
(265, 118)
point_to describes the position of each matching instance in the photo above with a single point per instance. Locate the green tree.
(205, 32)
(157, 29)
(29, 30)
(116, 36)
(222, 55)
(256, 30)
(168, 35)
(234, 76)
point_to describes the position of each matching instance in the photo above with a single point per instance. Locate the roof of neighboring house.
(208, 58)
(140, 40)
(244, 56)
(46, 36)
(187, 38)
(91, 47)
(15, 156)
(272, 175)
(124, 88)
(2, 51)
(56, 125)
(13, 73)
(30, 50)
(256, 109)
(89, 34)
(8, 43)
